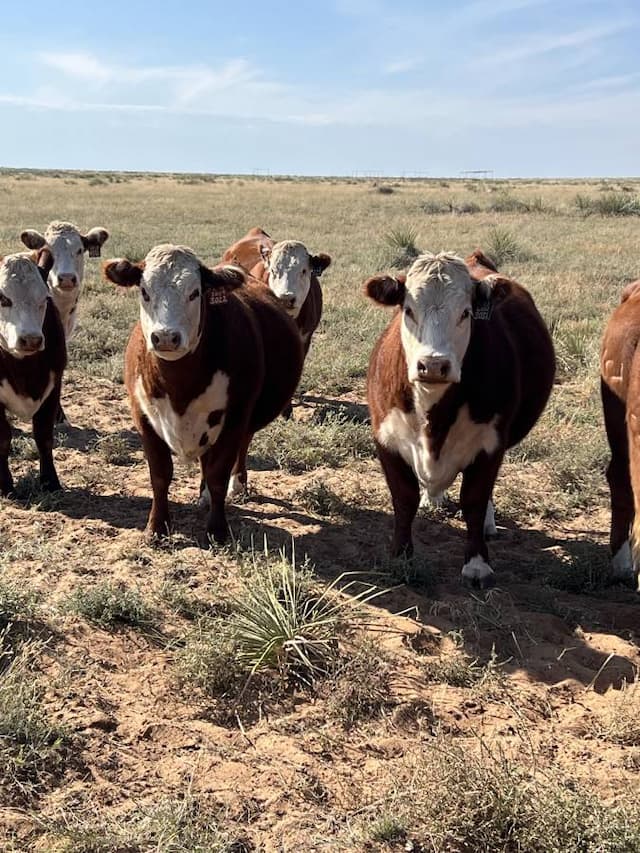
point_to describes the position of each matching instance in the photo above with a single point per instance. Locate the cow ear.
(319, 263)
(479, 257)
(122, 272)
(487, 294)
(44, 261)
(93, 241)
(386, 289)
(265, 253)
(221, 281)
(32, 239)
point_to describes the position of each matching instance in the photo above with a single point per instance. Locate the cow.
(212, 360)
(67, 246)
(292, 274)
(462, 373)
(33, 356)
(620, 390)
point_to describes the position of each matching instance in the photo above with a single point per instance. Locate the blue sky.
(521, 87)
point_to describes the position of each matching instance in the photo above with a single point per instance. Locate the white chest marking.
(402, 432)
(22, 407)
(191, 434)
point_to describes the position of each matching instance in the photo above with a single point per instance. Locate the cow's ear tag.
(483, 310)
(218, 296)
(94, 250)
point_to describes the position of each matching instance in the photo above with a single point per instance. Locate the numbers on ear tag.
(94, 251)
(218, 296)
(483, 312)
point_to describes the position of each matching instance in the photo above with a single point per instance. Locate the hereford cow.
(32, 358)
(462, 373)
(212, 360)
(620, 388)
(68, 247)
(290, 272)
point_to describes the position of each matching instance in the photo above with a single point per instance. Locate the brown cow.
(620, 388)
(462, 373)
(211, 361)
(290, 272)
(33, 356)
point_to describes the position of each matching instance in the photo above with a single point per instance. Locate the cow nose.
(30, 343)
(434, 369)
(67, 279)
(166, 340)
(288, 300)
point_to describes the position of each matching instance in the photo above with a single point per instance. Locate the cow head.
(67, 246)
(290, 268)
(438, 299)
(173, 286)
(23, 302)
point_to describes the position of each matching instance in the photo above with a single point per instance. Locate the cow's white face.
(170, 301)
(67, 246)
(289, 265)
(23, 304)
(436, 318)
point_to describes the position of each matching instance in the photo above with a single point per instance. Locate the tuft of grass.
(32, 747)
(620, 723)
(360, 687)
(111, 606)
(459, 669)
(298, 446)
(318, 498)
(609, 204)
(402, 244)
(208, 659)
(388, 828)
(503, 246)
(114, 450)
(17, 607)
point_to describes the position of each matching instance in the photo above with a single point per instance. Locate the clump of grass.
(29, 490)
(208, 659)
(318, 498)
(17, 607)
(609, 204)
(360, 687)
(295, 446)
(111, 606)
(31, 746)
(460, 669)
(114, 450)
(402, 244)
(434, 207)
(24, 447)
(385, 189)
(620, 723)
(388, 828)
(503, 246)
(576, 346)
(460, 799)
(506, 203)
(584, 569)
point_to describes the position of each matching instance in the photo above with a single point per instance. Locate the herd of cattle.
(462, 372)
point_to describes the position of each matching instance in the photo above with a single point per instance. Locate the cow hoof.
(478, 574)
(622, 567)
(204, 501)
(155, 537)
(236, 486)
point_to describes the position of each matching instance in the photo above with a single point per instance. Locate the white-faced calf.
(292, 274)
(462, 373)
(32, 358)
(211, 361)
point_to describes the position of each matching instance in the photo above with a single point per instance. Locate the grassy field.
(297, 690)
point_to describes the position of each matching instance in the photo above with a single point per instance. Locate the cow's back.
(247, 251)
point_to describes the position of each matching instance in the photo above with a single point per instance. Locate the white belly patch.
(191, 434)
(20, 406)
(402, 432)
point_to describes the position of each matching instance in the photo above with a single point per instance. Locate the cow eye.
(5, 302)
(466, 313)
(144, 293)
(194, 295)
(409, 314)
(304, 272)
(79, 251)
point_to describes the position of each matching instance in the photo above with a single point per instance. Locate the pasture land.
(426, 718)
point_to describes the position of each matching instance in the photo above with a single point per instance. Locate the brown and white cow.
(462, 373)
(212, 360)
(33, 356)
(620, 388)
(68, 247)
(291, 273)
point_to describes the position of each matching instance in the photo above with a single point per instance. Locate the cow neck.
(437, 412)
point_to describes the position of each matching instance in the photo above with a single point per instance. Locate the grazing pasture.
(297, 689)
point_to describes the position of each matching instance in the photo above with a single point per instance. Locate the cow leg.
(238, 482)
(161, 473)
(6, 480)
(287, 412)
(619, 479)
(61, 418)
(490, 529)
(42, 423)
(218, 462)
(478, 480)
(405, 496)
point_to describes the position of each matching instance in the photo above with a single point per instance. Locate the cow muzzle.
(434, 370)
(67, 281)
(288, 301)
(30, 344)
(166, 340)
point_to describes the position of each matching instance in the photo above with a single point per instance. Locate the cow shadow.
(328, 406)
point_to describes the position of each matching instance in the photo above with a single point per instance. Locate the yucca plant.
(282, 622)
